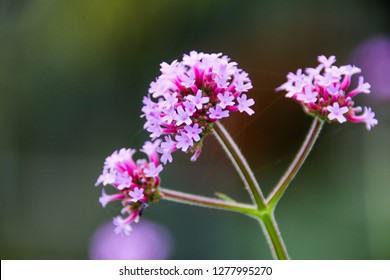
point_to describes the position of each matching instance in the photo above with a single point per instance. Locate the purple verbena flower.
(148, 241)
(136, 183)
(325, 92)
(189, 96)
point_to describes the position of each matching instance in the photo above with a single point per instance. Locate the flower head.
(325, 92)
(136, 183)
(189, 96)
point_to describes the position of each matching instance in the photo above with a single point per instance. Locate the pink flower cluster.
(324, 92)
(136, 181)
(189, 96)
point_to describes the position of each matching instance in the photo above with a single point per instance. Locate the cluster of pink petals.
(189, 96)
(137, 183)
(324, 92)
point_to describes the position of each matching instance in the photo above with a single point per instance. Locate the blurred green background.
(72, 77)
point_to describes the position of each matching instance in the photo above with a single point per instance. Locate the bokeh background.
(72, 76)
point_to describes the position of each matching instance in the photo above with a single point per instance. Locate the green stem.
(208, 202)
(299, 159)
(274, 238)
(241, 165)
(265, 218)
(264, 213)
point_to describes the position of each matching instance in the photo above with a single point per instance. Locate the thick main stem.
(241, 165)
(269, 224)
(297, 163)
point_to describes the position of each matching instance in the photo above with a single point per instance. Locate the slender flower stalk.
(264, 212)
(265, 218)
(241, 165)
(297, 163)
(207, 202)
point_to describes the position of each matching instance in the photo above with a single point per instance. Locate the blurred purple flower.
(373, 55)
(149, 241)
